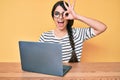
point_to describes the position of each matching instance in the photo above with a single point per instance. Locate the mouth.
(61, 23)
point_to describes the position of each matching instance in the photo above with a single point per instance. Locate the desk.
(79, 71)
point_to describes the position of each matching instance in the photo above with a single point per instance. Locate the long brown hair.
(69, 30)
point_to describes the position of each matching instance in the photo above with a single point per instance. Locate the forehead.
(59, 8)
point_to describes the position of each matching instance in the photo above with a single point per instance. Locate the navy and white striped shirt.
(79, 34)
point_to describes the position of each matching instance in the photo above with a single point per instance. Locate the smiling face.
(59, 20)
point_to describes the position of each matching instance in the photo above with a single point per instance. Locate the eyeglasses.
(58, 14)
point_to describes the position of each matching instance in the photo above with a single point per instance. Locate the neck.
(60, 33)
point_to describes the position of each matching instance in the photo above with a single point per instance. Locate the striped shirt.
(79, 34)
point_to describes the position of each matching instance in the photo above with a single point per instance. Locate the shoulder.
(47, 33)
(75, 30)
(81, 29)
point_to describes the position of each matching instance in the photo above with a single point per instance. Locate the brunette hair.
(69, 30)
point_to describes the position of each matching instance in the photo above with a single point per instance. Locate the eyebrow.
(59, 12)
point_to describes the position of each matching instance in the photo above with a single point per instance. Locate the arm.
(97, 26)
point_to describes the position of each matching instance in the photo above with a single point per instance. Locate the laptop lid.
(42, 57)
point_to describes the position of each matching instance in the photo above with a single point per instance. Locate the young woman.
(70, 38)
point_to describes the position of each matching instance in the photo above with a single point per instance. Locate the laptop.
(42, 57)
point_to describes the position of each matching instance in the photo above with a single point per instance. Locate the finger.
(65, 5)
(73, 3)
(69, 2)
(66, 14)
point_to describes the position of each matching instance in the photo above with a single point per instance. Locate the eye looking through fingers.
(66, 14)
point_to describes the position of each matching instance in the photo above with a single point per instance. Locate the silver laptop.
(42, 57)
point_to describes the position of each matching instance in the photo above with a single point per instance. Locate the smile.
(60, 23)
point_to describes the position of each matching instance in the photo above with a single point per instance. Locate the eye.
(66, 14)
(56, 14)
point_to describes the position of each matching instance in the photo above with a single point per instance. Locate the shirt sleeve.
(89, 33)
(85, 33)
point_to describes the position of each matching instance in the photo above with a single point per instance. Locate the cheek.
(55, 20)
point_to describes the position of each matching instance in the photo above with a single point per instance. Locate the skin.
(60, 30)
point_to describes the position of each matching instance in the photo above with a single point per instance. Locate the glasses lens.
(56, 14)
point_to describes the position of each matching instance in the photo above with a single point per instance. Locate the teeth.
(60, 21)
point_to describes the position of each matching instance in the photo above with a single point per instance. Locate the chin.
(61, 28)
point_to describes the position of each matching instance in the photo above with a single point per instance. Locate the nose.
(61, 16)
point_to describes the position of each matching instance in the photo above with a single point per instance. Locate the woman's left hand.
(70, 13)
